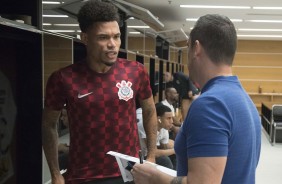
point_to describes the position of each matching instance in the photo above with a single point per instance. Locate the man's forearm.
(150, 126)
(50, 146)
(151, 134)
(176, 121)
(185, 104)
(50, 140)
(164, 152)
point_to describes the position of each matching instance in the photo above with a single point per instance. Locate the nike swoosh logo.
(81, 96)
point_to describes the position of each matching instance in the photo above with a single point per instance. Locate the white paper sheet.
(122, 160)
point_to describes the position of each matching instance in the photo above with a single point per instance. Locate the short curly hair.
(96, 11)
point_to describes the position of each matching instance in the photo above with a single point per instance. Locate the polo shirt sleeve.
(208, 128)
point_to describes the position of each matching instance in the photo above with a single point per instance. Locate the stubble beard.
(109, 63)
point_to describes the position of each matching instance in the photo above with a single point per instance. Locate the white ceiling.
(173, 17)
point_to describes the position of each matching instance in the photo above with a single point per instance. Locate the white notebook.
(123, 159)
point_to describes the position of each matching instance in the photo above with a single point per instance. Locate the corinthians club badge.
(125, 92)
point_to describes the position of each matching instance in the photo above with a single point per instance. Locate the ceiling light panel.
(66, 24)
(266, 8)
(260, 36)
(145, 27)
(195, 19)
(266, 30)
(56, 16)
(62, 31)
(51, 2)
(134, 32)
(215, 7)
(265, 21)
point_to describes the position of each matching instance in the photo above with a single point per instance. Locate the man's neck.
(169, 101)
(97, 67)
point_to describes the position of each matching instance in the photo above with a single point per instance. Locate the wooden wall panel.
(258, 64)
(185, 60)
(267, 86)
(257, 59)
(57, 54)
(259, 73)
(147, 63)
(259, 46)
(258, 98)
(53, 55)
(142, 45)
(173, 54)
(131, 56)
(277, 98)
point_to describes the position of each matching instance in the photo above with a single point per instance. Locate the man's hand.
(58, 180)
(149, 174)
(151, 159)
(64, 148)
(144, 173)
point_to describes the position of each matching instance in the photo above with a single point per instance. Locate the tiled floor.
(268, 171)
(270, 164)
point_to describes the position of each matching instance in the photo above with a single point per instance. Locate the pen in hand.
(141, 158)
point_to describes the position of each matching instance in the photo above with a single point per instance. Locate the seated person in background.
(63, 148)
(171, 98)
(164, 144)
(186, 89)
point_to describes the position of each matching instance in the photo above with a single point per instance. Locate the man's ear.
(197, 48)
(84, 38)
